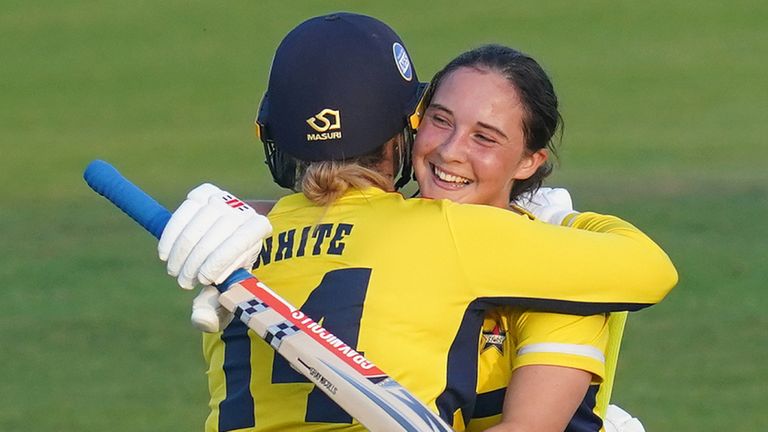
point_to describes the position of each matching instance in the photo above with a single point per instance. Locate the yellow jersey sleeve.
(578, 342)
(603, 260)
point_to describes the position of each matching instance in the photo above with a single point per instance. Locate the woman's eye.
(484, 138)
(440, 120)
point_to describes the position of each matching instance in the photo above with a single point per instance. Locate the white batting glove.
(207, 313)
(618, 420)
(547, 204)
(210, 235)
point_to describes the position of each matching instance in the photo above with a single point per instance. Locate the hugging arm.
(542, 398)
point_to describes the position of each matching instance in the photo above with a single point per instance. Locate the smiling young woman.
(489, 126)
(471, 146)
(486, 138)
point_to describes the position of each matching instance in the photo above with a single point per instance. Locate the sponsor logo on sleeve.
(494, 339)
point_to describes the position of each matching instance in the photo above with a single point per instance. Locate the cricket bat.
(363, 390)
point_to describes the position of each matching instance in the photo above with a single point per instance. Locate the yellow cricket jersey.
(407, 283)
(512, 337)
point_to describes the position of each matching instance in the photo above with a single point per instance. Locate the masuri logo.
(323, 122)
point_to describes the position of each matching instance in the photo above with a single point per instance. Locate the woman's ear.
(530, 163)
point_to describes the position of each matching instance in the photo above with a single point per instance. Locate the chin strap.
(403, 163)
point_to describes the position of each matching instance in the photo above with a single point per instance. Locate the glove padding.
(550, 205)
(210, 235)
(618, 420)
(208, 315)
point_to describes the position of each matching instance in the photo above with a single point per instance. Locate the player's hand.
(210, 235)
(618, 420)
(551, 205)
(207, 313)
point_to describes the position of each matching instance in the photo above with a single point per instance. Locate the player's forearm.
(594, 272)
(658, 268)
(542, 398)
(646, 270)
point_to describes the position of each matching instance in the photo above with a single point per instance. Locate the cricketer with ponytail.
(406, 282)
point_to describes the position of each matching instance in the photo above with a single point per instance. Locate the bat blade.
(363, 390)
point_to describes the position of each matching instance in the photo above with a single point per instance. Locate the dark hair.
(542, 119)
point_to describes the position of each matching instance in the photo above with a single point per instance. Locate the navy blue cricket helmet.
(340, 86)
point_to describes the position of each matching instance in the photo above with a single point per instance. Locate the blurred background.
(665, 113)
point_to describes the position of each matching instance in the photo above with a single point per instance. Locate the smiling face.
(470, 146)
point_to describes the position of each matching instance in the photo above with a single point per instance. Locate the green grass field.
(665, 109)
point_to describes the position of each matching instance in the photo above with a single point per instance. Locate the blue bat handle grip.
(109, 183)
